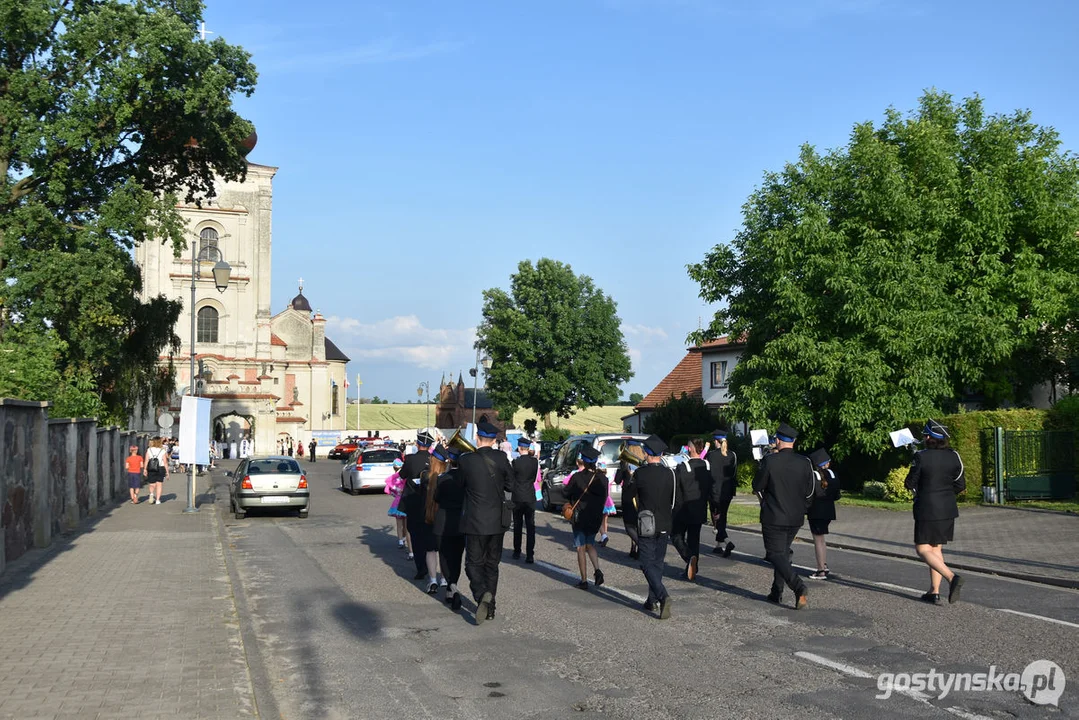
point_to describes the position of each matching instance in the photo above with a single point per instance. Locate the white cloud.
(386, 50)
(404, 339)
(644, 332)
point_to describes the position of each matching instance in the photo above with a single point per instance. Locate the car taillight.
(359, 467)
(245, 484)
(303, 481)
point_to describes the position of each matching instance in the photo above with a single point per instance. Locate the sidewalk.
(1037, 545)
(132, 617)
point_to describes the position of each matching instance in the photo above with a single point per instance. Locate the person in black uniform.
(624, 477)
(784, 484)
(694, 489)
(936, 478)
(722, 463)
(415, 466)
(418, 499)
(587, 493)
(450, 498)
(653, 489)
(822, 512)
(525, 471)
(487, 478)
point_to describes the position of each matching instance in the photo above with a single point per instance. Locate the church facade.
(272, 377)
(456, 402)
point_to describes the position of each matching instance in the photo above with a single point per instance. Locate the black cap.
(441, 453)
(524, 442)
(719, 434)
(486, 430)
(935, 430)
(589, 454)
(786, 433)
(653, 445)
(424, 438)
(820, 458)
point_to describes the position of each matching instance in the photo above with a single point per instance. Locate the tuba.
(460, 443)
(628, 457)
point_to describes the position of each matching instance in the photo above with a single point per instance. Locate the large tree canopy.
(109, 111)
(934, 256)
(555, 341)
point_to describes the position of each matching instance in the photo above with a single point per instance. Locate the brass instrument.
(460, 443)
(627, 456)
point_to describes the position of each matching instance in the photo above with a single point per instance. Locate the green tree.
(555, 341)
(110, 112)
(932, 256)
(682, 415)
(635, 398)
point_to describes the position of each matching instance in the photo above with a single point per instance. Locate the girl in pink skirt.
(394, 485)
(608, 506)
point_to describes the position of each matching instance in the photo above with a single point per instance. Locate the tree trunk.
(547, 424)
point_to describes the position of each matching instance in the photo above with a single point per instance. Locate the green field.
(405, 416)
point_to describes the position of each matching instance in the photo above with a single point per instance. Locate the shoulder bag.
(569, 512)
(646, 519)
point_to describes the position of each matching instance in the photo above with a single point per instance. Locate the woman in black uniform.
(822, 512)
(624, 477)
(723, 464)
(936, 478)
(450, 498)
(418, 501)
(694, 490)
(587, 491)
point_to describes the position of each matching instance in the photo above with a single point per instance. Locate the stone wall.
(55, 473)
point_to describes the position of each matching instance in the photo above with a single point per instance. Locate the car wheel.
(354, 491)
(240, 514)
(545, 496)
(303, 514)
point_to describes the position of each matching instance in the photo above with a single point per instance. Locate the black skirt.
(933, 532)
(819, 527)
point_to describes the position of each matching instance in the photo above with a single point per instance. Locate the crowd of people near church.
(452, 508)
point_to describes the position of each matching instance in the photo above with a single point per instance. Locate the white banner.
(195, 430)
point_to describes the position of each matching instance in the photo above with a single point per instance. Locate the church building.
(272, 376)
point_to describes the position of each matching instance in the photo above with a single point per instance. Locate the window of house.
(206, 331)
(335, 390)
(207, 239)
(719, 374)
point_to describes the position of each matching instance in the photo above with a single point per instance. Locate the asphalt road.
(334, 627)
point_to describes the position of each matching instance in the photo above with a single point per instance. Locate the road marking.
(758, 557)
(904, 588)
(1040, 617)
(912, 694)
(570, 574)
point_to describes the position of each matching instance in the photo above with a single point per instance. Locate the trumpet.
(460, 443)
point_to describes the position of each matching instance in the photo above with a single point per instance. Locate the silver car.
(368, 469)
(268, 483)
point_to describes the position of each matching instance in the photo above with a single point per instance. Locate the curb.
(1027, 577)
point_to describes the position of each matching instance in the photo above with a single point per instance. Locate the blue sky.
(427, 147)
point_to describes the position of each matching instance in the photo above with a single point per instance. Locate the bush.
(894, 488)
(1064, 415)
(555, 434)
(744, 473)
(874, 490)
(966, 437)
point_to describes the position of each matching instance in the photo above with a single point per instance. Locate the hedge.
(965, 430)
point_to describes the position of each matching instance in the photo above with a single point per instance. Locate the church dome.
(300, 303)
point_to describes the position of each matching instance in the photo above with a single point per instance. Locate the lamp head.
(221, 271)
(486, 362)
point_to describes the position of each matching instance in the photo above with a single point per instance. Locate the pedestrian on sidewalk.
(134, 473)
(784, 484)
(525, 472)
(936, 477)
(586, 492)
(653, 492)
(695, 488)
(723, 464)
(311, 446)
(156, 469)
(822, 512)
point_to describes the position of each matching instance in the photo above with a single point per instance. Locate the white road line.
(904, 588)
(1040, 617)
(758, 557)
(912, 694)
(570, 574)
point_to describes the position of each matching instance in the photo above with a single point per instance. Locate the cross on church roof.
(203, 32)
(301, 284)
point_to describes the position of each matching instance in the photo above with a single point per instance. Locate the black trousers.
(451, 553)
(777, 551)
(631, 530)
(482, 555)
(524, 513)
(719, 510)
(653, 551)
(686, 538)
(423, 542)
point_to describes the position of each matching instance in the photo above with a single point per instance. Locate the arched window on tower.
(207, 239)
(207, 325)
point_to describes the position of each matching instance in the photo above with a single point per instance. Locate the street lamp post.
(475, 373)
(221, 272)
(425, 385)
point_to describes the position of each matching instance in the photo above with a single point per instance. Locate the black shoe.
(953, 589)
(603, 541)
(455, 604)
(449, 597)
(665, 609)
(529, 560)
(516, 554)
(599, 577)
(718, 549)
(432, 588)
(775, 598)
(419, 576)
(635, 554)
(648, 606)
(491, 611)
(728, 549)
(483, 608)
(583, 585)
(932, 598)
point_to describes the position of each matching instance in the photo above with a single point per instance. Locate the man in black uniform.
(525, 469)
(487, 478)
(723, 466)
(784, 484)
(415, 465)
(653, 490)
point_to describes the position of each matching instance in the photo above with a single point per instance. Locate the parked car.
(547, 448)
(368, 469)
(268, 482)
(564, 463)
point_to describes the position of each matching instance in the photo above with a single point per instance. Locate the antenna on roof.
(699, 326)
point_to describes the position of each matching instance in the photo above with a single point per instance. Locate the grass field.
(405, 416)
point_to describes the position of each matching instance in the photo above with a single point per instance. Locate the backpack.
(153, 464)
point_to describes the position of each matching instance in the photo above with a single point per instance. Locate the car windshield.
(380, 456)
(609, 450)
(273, 465)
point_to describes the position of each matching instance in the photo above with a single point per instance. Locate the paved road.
(334, 627)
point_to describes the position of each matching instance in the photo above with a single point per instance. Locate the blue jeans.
(652, 552)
